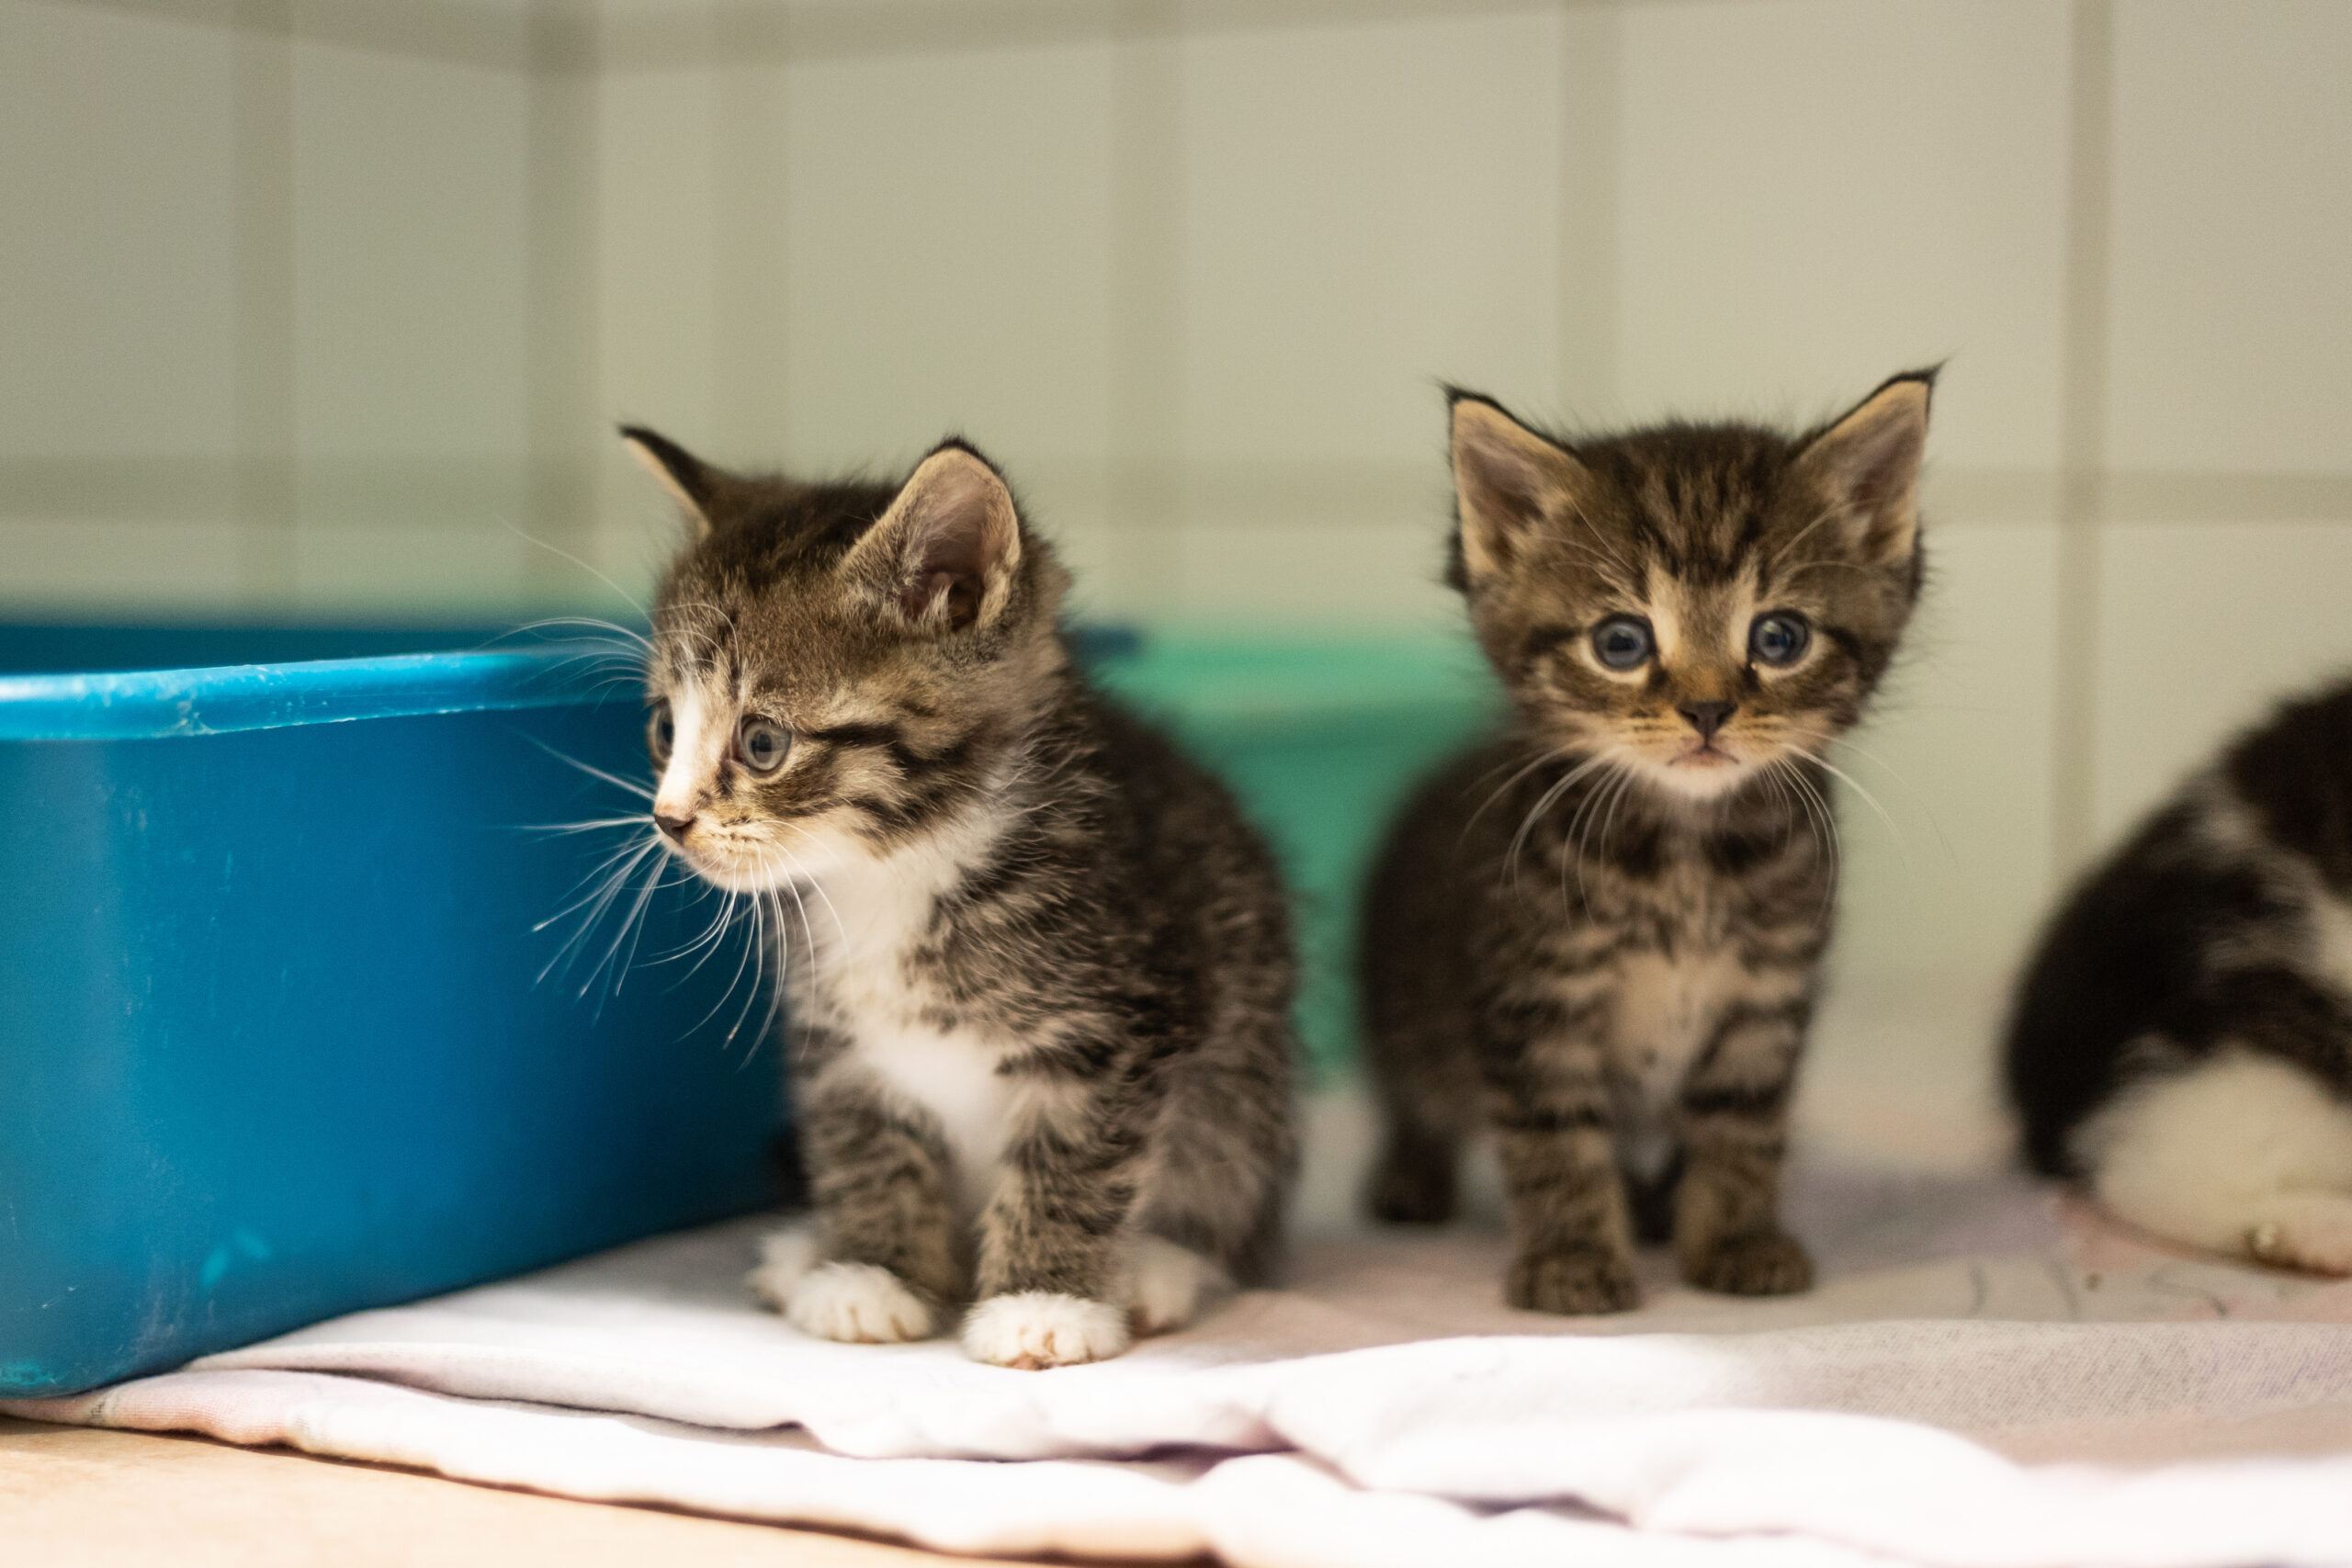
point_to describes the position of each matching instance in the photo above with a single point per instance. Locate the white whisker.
(642, 791)
(627, 597)
(1545, 803)
(1901, 846)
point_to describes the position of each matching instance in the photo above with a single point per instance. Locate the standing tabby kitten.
(1040, 1026)
(1598, 932)
(2182, 1041)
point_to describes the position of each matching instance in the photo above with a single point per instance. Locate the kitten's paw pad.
(1750, 1263)
(1573, 1283)
(858, 1303)
(1042, 1328)
(2316, 1249)
(1169, 1282)
(786, 1258)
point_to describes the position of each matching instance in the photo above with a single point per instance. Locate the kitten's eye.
(1779, 638)
(661, 734)
(1621, 642)
(763, 744)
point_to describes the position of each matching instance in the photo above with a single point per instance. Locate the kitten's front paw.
(1043, 1328)
(859, 1304)
(1170, 1281)
(1573, 1282)
(786, 1258)
(1750, 1263)
(2316, 1244)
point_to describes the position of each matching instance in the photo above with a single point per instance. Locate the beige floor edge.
(88, 1499)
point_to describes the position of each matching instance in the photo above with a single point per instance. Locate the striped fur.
(2181, 1042)
(1599, 932)
(1039, 969)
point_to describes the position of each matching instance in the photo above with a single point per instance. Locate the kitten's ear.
(1507, 481)
(942, 556)
(692, 483)
(1868, 465)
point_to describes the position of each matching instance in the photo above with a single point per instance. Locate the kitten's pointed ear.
(1508, 482)
(692, 483)
(941, 558)
(1866, 464)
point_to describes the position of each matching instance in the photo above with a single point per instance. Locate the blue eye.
(1779, 638)
(763, 745)
(1621, 642)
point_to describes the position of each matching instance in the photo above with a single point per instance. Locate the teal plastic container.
(274, 1032)
(1321, 736)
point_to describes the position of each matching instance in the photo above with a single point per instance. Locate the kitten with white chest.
(1039, 1003)
(2182, 1040)
(1599, 934)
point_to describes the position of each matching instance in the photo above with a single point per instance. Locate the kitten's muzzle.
(1707, 717)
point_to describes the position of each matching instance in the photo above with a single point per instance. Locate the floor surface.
(88, 1499)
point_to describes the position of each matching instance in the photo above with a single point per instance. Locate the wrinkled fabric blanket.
(1989, 1377)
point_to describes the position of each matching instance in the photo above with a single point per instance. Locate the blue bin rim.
(141, 705)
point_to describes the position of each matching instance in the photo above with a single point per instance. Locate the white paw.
(786, 1258)
(1168, 1284)
(858, 1303)
(1042, 1328)
(2313, 1233)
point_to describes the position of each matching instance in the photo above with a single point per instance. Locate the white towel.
(1984, 1380)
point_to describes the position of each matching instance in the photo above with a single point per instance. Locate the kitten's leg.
(1167, 1284)
(884, 1264)
(1414, 1181)
(1055, 1237)
(2244, 1154)
(1572, 1238)
(1733, 1107)
(1424, 1071)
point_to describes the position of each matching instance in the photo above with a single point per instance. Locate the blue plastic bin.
(273, 1044)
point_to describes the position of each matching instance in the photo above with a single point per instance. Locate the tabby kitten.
(1040, 1036)
(2182, 1042)
(1598, 932)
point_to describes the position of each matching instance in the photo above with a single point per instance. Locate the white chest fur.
(954, 1077)
(2332, 933)
(1664, 1009)
(870, 918)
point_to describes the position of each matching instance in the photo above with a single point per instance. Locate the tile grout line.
(158, 487)
(2082, 437)
(1146, 500)
(264, 504)
(751, 287)
(1591, 86)
(562, 347)
(451, 31)
(726, 32)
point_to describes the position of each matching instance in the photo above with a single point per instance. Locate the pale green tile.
(1819, 192)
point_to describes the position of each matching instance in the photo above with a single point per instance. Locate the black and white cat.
(1040, 1042)
(2182, 1042)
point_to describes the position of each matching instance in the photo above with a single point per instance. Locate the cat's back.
(1184, 857)
(2294, 774)
(1422, 913)
(1180, 809)
(2250, 860)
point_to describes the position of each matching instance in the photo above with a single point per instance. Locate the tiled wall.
(326, 302)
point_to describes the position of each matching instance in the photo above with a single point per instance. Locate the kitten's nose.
(674, 827)
(1707, 717)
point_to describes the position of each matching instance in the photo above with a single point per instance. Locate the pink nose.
(674, 827)
(1707, 717)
